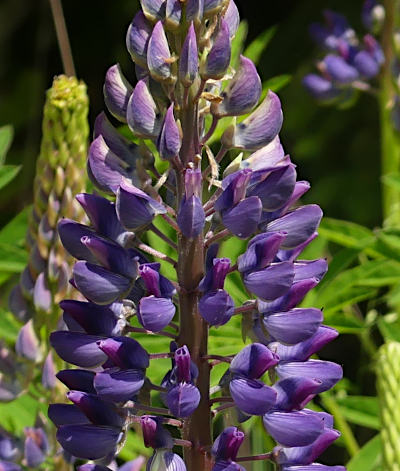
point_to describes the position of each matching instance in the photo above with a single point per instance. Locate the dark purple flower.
(253, 361)
(169, 141)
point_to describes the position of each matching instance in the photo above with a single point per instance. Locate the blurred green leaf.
(9, 326)
(18, 414)
(7, 173)
(255, 49)
(346, 233)
(369, 458)
(360, 410)
(392, 180)
(237, 44)
(134, 446)
(390, 330)
(6, 136)
(12, 259)
(15, 231)
(275, 84)
(343, 322)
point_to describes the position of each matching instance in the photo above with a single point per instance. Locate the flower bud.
(137, 39)
(170, 140)
(259, 129)
(189, 59)
(27, 344)
(232, 18)
(194, 11)
(117, 91)
(143, 116)
(173, 14)
(227, 444)
(154, 10)
(217, 61)
(242, 93)
(158, 54)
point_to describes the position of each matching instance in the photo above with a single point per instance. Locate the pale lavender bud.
(170, 140)
(211, 7)
(158, 54)
(137, 39)
(117, 91)
(49, 372)
(242, 93)
(189, 59)
(27, 344)
(217, 61)
(259, 129)
(143, 117)
(42, 297)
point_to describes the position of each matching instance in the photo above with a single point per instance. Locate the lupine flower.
(182, 56)
(351, 63)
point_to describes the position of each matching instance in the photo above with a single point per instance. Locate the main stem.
(390, 144)
(193, 330)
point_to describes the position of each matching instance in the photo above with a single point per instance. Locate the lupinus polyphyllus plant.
(182, 52)
(44, 282)
(350, 63)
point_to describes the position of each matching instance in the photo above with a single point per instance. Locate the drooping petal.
(243, 92)
(155, 314)
(99, 284)
(271, 282)
(105, 168)
(77, 348)
(88, 441)
(216, 307)
(66, 414)
(306, 269)
(259, 129)
(71, 233)
(135, 208)
(293, 428)
(294, 392)
(293, 326)
(300, 224)
(143, 116)
(183, 399)
(125, 352)
(303, 350)
(340, 71)
(253, 361)
(227, 444)
(80, 380)
(137, 39)
(261, 251)
(117, 91)
(269, 156)
(158, 54)
(242, 220)
(251, 396)
(103, 217)
(327, 372)
(99, 412)
(118, 385)
(94, 319)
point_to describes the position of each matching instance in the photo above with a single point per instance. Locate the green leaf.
(12, 259)
(237, 44)
(6, 136)
(275, 84)
(392, 180)
(360, 410)
(7, 173)
(255, 49)
(18, 414)
(15, 231)
(9, 327)
(389, 328)
(346, 233)
(344, 322)
(369, 458)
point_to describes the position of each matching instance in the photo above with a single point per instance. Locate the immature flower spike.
(185, 86)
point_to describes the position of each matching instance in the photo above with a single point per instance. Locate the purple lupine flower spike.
(186, 85)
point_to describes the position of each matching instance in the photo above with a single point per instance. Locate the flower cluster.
(185, 86)
(350, 63)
